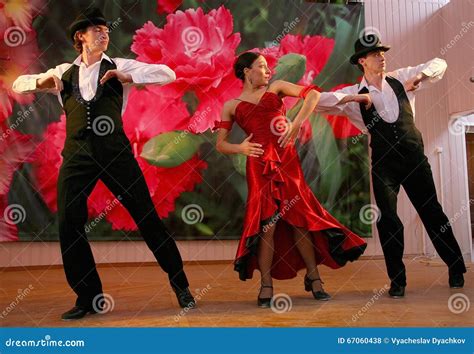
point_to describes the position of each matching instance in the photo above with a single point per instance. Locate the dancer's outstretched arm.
(312, 101)
(345, 102)
(420, 76)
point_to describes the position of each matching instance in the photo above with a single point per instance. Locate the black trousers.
(411, 170)
(85, 162)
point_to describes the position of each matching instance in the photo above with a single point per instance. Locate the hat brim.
(354, 58)
(86, 23)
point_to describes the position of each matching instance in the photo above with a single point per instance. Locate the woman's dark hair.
(245, 60)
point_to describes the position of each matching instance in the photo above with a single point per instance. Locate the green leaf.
(240, 161)
(329, 158)
(294, 110)
(171, 149)
(204, 229)
(338, 65)
(290, 67)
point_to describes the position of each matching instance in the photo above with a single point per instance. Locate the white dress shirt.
(142, 74)
(385, 101)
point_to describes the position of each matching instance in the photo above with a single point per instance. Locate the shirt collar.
(78, 60)
(364, 83)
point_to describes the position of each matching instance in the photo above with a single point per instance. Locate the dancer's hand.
(122, 77)
(250, 149)
(413, 83)
(51, 82)
(290, 134)
(363, 98)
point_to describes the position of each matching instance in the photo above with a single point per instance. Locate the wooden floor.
(142, 298)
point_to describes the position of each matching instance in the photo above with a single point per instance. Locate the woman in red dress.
(285, 228)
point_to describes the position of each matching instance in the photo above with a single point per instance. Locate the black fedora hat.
(90, 17)
(366, 44)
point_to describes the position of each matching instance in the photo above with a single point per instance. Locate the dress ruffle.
(278, 194)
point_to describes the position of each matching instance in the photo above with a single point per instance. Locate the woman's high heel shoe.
(264, 302)
(320, 295)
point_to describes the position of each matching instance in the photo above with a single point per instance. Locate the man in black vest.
(93, 91)
(398, 157)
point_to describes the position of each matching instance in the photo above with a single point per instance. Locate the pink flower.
(316, 49)
(18, 13)
(49, 159)
(16, 58)
(15, 149)
(168, 6)
(200, 48)
(211, 102)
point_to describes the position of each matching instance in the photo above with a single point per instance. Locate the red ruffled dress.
(278, 193)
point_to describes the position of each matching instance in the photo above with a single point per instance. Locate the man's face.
(374, 62)
(96, 38)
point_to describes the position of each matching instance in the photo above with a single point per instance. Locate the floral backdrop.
(199, 193)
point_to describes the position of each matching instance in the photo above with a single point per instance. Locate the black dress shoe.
(320, 295)
(185, 298)
(396, 291)
(76, 313)
(265, 302)
(456, 280)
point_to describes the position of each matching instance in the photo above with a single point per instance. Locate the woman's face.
(258, 74)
